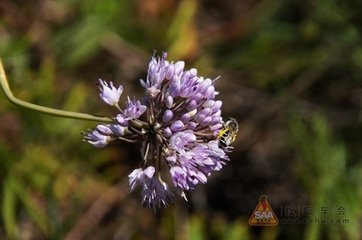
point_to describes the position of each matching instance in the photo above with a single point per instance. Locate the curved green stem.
(56, 112)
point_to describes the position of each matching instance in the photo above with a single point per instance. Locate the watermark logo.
(304, 214)
(263, 214)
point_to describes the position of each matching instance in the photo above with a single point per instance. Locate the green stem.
(51, 111)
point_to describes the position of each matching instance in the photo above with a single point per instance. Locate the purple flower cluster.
(177, 123)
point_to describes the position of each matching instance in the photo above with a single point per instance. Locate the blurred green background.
(291, 73)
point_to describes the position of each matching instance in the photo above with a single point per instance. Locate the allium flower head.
(177, 123)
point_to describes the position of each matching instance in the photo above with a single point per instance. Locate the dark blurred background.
(291, 74)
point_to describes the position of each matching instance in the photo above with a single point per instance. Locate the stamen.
(128, 140)
(145, 154)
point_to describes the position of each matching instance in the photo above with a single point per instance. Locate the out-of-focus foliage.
(291, 73)
(328, 181)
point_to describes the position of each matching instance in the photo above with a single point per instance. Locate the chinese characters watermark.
(264, 215)
(305, 214)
